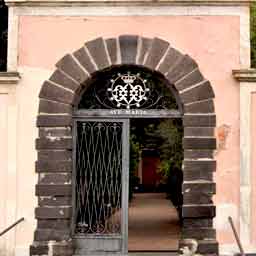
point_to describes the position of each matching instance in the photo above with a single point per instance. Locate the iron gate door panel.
(101, 160)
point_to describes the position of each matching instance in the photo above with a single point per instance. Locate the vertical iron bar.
(73, 219)
(125, 184)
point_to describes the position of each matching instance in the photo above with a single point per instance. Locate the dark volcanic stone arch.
(54, 144)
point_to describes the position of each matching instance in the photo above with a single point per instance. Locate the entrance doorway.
(156, 178)
(137, 111)
(87, 84)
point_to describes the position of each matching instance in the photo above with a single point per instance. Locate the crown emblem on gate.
(128, 79)
(128, 90)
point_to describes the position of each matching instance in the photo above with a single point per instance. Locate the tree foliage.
(164, 136)
(171, 132)
(3, 35)
(253, 35)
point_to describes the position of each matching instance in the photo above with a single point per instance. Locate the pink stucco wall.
(213, 41)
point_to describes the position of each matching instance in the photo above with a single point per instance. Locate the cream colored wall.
(3, 166)
(253, 169)
(8, 171)
(43, 40)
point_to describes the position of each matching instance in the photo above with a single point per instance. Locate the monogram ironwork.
(127, 87)
(128, 90)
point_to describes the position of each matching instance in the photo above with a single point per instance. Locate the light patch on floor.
(153, 223)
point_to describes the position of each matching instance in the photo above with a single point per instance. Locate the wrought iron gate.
(101, 158)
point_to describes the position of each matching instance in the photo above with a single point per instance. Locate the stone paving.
(153, 223)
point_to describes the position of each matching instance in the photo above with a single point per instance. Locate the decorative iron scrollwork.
(127, 87)
(128, 90)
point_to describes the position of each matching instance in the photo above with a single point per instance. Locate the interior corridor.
(153, 223)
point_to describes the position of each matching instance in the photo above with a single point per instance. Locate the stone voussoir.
(98, 50)
(62, 248)
(51, 235)
(169, 60)
(54, 120)
(193, 78)
(190, 120)
(208, 246)
(203, 91)
(54, 201)
(58, 224)
(69, 66)
(155, 53)
(52, 92)
(62, 79)
(197, 198)
(54, 178)
(85, 60)
(198, 233)
(199, 131)
(52, 107)
(200, 174)
(199, 186)
(61, 143)
(144, 46)
(199, 143)
(57, 155)
(185, 66)
(55, 133)
(38, 249)
(53, 212)
(198, 211)
(53, 166)
(204, 107)
(194, 165)
(192, 154)
(53, 190)
(197, 223)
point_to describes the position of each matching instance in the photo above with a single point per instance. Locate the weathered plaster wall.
(3, 165)
(213, 41)
(8, 170)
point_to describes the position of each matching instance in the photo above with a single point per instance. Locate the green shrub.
(253, 35)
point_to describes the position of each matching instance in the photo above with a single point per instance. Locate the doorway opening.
(127, 109)
(155, 191)
(116, 80)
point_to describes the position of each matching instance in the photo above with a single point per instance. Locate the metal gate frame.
(89, 242)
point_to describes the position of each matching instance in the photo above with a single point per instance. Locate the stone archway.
(54, 145)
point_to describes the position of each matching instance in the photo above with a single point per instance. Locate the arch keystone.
(128, 48)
